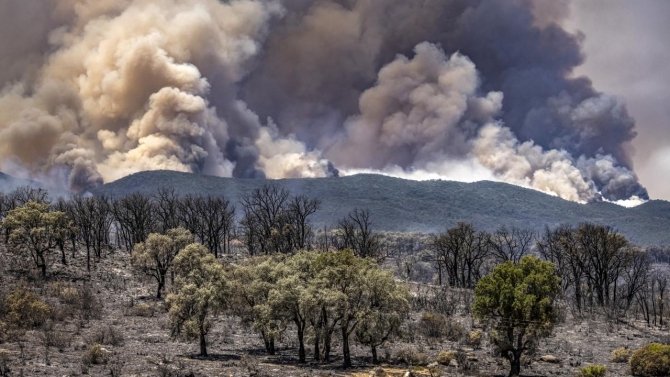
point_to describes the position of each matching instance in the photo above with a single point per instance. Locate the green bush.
(81, 302)
(475, 338)
(651, 360)
(437, 326)
(621, 355)
(592, 371)
(24, 309)
(142, 310)
(94, 355)
(411, 356)
(445, 357)
(433, 325)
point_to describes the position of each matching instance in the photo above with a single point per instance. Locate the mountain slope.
(404, 205)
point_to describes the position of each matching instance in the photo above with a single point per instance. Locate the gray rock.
(550, 359)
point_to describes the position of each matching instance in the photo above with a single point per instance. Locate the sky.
(627, 48)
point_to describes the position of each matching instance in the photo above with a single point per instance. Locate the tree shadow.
(214, 357)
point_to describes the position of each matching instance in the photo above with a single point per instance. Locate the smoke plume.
(97, 90)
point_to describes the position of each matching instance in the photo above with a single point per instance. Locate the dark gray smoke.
(302, 88)
(327, 53)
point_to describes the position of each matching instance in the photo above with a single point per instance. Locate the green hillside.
(404, 205)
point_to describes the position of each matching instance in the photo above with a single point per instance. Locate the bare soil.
(235, 350)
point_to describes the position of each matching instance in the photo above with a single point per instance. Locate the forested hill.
(8, 183)
(404, 205)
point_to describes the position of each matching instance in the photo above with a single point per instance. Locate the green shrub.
(95, 355)
(445, 357)
(651, 360)
(81, 302)
(24, 309)
(621, 355)
(433, 325)
(411, 356)
(437, 326)
(592, 371)
(142, 310)
(475, 338)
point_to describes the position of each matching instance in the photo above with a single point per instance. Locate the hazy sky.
(627, 44)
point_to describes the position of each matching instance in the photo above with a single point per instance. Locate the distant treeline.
(598, 266)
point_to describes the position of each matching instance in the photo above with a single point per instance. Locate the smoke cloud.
(128, 86)
(456, 89)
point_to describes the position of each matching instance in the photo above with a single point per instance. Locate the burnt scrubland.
(172, 283)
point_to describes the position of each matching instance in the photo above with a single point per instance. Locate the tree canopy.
(34, 230)
(518, 301)
(199, 291)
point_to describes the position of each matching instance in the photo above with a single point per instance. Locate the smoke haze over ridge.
(92, 91)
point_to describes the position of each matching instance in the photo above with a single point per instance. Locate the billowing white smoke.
(128, 88)
(104, 88)
(427, 113)
(288, 157)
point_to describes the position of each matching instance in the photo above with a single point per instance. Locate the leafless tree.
(166, 209)
(651, 298)
(662, 283)
(23, 195)
(3, 205)
(266, 209)
(561, 246)
(604, 261)
(62, 240)
(357, 234)
(300, 208)
(599, 264)
(636, 272)
(83, 209)
(461, 253)
(217, 217)
(249, 233)
(102, 223)
(133, 219)
(511, 244)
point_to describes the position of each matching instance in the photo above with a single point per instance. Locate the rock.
(432, 365)
(453, 363)
(550, 359)
(472, 357)
(379, 372)
(409, 374)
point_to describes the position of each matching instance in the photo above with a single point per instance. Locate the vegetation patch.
(652, 360)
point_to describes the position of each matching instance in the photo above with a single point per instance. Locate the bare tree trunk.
(317, 351)
(346, 354)
(515, 366)
(62, 254)
(301, 343)
(43, 265)
(203, 342)
(375, 359)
